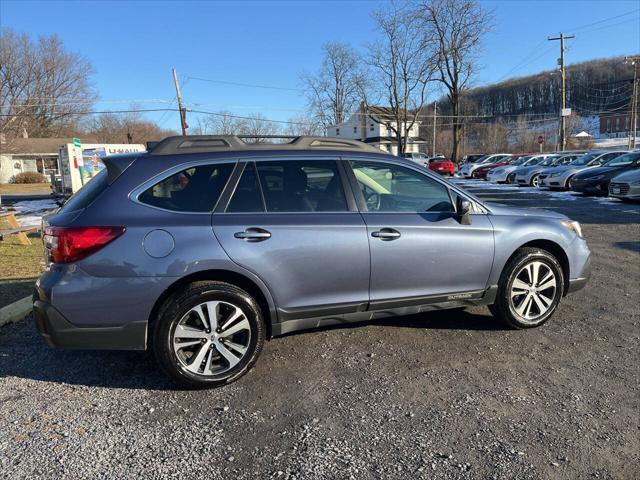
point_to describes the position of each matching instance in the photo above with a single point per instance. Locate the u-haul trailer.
(79, 164)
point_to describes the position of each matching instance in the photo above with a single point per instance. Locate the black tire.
(511, 178)
(174, 311)
(504, 309)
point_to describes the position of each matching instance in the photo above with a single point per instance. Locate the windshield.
(520, 161)
(545, 162)
(584, 159)
(626, 159)
(534, 161)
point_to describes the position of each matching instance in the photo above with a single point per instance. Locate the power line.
(574, 29)
(248, 85)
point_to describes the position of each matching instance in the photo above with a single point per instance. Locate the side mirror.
(463, 209)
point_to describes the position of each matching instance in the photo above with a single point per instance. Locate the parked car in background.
(442, 166)
(484, 170)
(559, 177)
(419, 157)
(473, 157)
(626, 186)
(206, 246)
(467, 169)
(595, 181)
(530, 176)
(506, 173)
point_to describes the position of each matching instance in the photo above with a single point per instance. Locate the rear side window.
(290, 186)
(195, 189)
(88, 193)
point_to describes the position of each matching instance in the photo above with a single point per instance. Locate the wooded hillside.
(592, 87)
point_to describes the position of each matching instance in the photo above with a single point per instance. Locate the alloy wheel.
(533, 290)
(212, 338)
(535, 181)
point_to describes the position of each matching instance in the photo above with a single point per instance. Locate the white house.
(374, 125)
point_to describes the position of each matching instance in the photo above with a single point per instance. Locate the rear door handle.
(253, 235)
(386, 234)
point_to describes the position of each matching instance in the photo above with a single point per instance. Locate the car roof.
(179, 145)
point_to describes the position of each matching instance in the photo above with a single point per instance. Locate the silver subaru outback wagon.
(205, 246)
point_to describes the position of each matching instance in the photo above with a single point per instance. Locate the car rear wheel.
(535, 180)
(530, 289)
(208, 334)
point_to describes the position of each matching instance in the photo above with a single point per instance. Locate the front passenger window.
(392, 188)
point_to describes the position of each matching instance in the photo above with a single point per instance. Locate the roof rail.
(221, 143)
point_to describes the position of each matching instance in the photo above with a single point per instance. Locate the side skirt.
(383, 309)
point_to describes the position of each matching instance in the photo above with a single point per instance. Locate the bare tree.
(303, 125)
(257, 125)
(333, 92)
(124, 128)
(43, 88)
(402, 64)
(458, 27)
(221, 123)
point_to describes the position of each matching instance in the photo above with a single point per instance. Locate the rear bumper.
(59, 332)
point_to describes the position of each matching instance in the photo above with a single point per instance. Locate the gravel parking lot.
(440, 395)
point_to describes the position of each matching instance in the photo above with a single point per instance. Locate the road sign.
(540, 139)
(76, 142)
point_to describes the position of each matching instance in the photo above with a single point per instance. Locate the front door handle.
(253, 235)
(386, 234)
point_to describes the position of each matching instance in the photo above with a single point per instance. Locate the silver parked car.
(626, 186)
(206, 246)
(559, 177)
(505, 174)
(467, 169)
(529, 176)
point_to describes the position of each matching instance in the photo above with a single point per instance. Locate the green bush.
(28, 177)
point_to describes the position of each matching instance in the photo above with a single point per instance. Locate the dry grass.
(20, 265)
(24, 188)
(20, 261)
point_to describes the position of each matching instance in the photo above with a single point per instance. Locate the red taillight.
(70, 244)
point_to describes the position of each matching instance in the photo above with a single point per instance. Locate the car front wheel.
(535, 181)
(530, 289)
(208, 334)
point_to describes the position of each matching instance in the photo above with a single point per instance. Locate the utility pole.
(435, 108)
(633, 123)
(183, 113)
(562, 137)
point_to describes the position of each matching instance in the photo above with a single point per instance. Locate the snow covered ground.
(30, 212)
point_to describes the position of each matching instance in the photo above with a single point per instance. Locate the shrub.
(28, 177)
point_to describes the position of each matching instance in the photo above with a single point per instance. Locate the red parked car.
(442, 166)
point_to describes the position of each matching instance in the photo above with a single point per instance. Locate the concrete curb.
(16, 311)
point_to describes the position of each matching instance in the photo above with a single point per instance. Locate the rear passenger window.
(194, 189)
(247, 197)
(302, 186)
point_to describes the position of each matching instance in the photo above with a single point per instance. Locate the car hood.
(631, 176)
(592, 172)
(556, 169)
(501, 209)
(528, 170)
